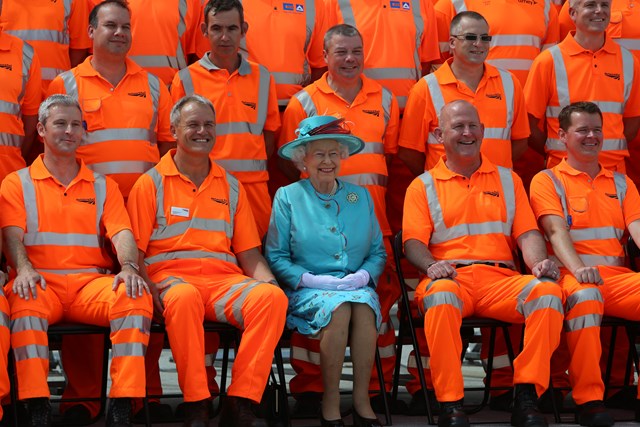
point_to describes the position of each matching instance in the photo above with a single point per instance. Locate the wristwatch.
(132, 264)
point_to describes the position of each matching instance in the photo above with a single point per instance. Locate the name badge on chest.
(176, 211)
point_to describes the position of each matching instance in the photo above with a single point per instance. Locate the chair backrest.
(398, 255)
(633, 253)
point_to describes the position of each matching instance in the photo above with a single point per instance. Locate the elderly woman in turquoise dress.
(325, 247)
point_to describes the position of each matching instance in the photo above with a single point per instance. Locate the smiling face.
(322, 163)
(590, 16)
(583, 137)
(344, 57)
(112, 34)
(468, 52)
(460, 131)
(196, 130)
(62, 131)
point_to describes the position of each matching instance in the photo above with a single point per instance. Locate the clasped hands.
(350, 282)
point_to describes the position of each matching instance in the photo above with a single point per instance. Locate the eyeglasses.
(473, 37)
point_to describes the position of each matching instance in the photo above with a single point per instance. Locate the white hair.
(300, 152)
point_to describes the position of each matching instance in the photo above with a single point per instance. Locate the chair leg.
(105, 374)
(423, 381)
(284, 411)
(556, 410)
(147, 412)
(383, 389)
(13, 380)
(396, 370)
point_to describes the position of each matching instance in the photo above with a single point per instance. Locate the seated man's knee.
(268, 294)
(183, 295)
(438, 292)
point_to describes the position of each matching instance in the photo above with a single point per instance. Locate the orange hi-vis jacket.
(20, 95)
(164, 33)
(287, 39)
(520, 30)
(398, 37)
(190, 230)
(597, 211)
(498, 98)
(567, 73)
(246, 106)
(123, 123)
(374, 115)
(51, 27)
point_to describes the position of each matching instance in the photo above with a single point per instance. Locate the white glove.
(322, 281)
(354, 281)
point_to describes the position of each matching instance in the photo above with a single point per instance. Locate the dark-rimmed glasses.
(470, 37)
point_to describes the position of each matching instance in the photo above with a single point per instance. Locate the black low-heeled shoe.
(360, 421)
(331, 423)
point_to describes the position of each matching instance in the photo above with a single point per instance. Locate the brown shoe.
(237, 412)
(196, 414)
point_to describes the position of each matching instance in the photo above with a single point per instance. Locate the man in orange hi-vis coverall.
(58, 215)
(462, 221)
(584, 209)
(198, 239)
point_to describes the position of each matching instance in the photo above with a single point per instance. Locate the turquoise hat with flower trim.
(322, 127)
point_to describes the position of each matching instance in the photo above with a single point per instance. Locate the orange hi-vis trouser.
(498, 293)
(83, 298)
(305, 349)
(4, 347)
(258, 309)
(584, 311)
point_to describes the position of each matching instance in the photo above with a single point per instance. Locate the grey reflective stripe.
(242, 165)
(605, 107)
(70, 83)
(442, 233)
(263, 101)
(159, 61)
(65, 271)
(118, 134)
(166, 231)
(435, 92)
(391, 73)
(507, 87)
(220, 304)
(441, 298)
(27, 59)
(546, 11)
(373, 148)
(582, 322)
(596, 233)
(627, 70)
(347, 12)
(187, 81)
(4, 318)
(29, 323)
(631, 44)
(583, 295)
(143, 323)
(11, 140)
(182, 27)
(515, 40)
(511, 63)
(7, 107)
(524, 294)
(366, 179)
(67, 14)
(562, 80)
(154, 91)
(41, 35)
(179, 228)
(307, 103)
(387, 98)
(33, 236)
(283, 78)
(402, 101)
(237, 128)
(418, 23)
(595, 260)
(607, 144)
(541, 303)
(125, 166)
(128, 349)
(50, 73)
(169, 283)
(459, 6)
(32, 351)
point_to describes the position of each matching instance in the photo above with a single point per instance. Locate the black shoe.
(77, 415)
(307, 405)
(502, 402)
(452, 415)
(331, 423)
(39, 410)
(196, 413)
(418, 407)
(180, 410)
(546, 402)
(119, 413)
(237, 412)
(525, 408)
(360, 421)
(593, 414)
(158, 413)
(396, 407)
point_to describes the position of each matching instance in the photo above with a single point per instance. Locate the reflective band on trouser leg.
(31, 352)
(264, 309)
(584, 308)
(305, 361)
(184, 314)
(443, 305)
(130, 320)
(5, 341)
(540, 302)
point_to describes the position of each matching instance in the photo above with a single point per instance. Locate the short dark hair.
(577, 107)
(93, 16)
(223, 6)
(344, 30)
(466, 14)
